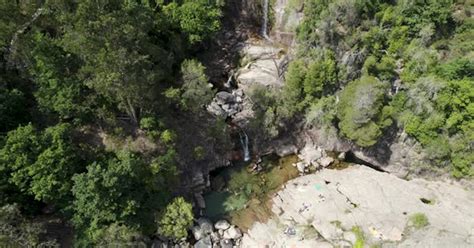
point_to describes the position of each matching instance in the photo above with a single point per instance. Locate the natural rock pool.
(243, 196)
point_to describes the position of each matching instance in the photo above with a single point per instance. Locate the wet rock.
(204, 243)
(222, 225)
(232, 233)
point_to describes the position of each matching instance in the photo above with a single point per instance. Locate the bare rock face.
(382, 206)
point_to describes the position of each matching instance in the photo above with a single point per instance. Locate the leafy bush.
(419, 220)
(359, 110)
(177, 219)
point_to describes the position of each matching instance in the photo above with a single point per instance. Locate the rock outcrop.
(325, 208)
(225, 235)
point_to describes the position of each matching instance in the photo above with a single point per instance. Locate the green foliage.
(41, 163)
(196, 90)
(199, 152)
(119, 235)
(360, 238)
(176, 219)
(12, 109)
(359, 110)
(320, 77)
(117, 190)
(59, 90)
(293, 90)
(17, 231)
(419, 220)
(198, 19)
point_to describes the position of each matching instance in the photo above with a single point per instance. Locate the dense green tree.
(58, 90)
(122, 61)
(196, 90)
(293, 98)
(359, 110)
(41, 163)
(12, 109)
(197, 19)
(320, 77)
(176, 219)
(117, 190)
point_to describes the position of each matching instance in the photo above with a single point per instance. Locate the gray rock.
(379, 203)
(301, 167)
(310, 154)
(326, 161)
(232, 233)
(204, 243)
(226, 243)
(215, 238)
(197, 232)
(205, 225)
(224, 97)
(286, 150)
(222, 225)
(216, 110)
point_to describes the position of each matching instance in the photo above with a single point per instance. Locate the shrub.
(176, 219)
(419, 220)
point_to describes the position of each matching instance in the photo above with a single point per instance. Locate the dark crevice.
(352, 158)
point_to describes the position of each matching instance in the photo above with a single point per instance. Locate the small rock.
(341, 156)
(300, 166)
(222, 225)
(350, 236)
(226, 243)
(232, 233)
(197, 232)
(220, 232)
(204, 243)
(284, 151)
(326, 161)
(205, 225)
(224, 97)
(215, 238)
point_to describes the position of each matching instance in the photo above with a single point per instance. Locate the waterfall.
(244, 141)
(265, 20)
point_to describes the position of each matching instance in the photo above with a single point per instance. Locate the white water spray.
(265, 20)
(244, 141)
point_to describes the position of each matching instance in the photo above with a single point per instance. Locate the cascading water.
(244, 141)
(265, 20)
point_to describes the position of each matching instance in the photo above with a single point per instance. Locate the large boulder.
(205, 225)
(197, 232)
(232, 233)
(222, 225)
(204, 243)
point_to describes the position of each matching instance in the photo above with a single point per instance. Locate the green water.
(236, 188)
